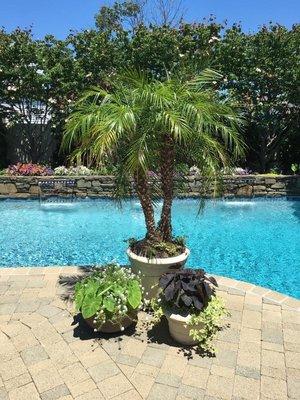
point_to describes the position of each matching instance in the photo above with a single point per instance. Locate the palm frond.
(204, 79)
(137, 156)
(131, 118)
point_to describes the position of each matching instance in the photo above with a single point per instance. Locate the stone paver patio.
(48, 353)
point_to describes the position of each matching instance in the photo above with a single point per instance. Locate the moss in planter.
(157, 249)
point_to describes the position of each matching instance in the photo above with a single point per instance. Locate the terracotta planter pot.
(110, 327)
(179, 328)
(152, 269)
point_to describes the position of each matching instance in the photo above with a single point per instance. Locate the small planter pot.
(152, 269)
(179, 328)
(111, 327)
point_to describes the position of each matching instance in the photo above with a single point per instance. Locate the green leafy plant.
(295, 168)
(180, 240)
(187, 289)
(106, 170)
(210, 318)
(274, 171)
(110, 293)
(183, 169)
(191, 291)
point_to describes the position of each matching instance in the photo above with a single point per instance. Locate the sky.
(58, 17)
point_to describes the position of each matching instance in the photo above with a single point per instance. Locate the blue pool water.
(253, 240)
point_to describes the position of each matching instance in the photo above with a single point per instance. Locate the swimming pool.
(253, 240)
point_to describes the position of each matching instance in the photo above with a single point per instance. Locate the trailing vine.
(210, 319)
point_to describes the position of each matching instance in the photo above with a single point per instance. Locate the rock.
(260, 194)
(271, 193)
(22, 186)
(81, 194)
(8, 188)
(106, 179)
(229, 195)
(34, 190)
(3, 188)
(95, 183)
(198, 183)
(270, 181)
(107, 186)
(246, 190)
(259, 188)
(278, 185)
(21, 196)
(82, 183)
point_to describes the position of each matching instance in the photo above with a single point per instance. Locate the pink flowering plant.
(29, 169)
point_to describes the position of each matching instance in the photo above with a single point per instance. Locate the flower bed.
(30, 169)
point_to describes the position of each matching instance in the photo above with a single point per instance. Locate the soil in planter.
(156, 249)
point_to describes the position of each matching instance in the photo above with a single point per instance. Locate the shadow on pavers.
(159, 334)
(68, 282)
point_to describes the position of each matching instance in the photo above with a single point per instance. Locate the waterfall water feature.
(55, 192)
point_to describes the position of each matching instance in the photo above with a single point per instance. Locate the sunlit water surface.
(253, 240)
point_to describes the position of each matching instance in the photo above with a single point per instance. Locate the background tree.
(3, 149)
(165, 51)
(262, 71)
(40, 79)
(130, 14)
(37, 83)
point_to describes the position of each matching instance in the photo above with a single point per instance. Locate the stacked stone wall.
(192, 185)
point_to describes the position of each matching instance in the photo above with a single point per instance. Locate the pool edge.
(232, 286)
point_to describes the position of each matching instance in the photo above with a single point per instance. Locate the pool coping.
(232, 286)
(181, 196)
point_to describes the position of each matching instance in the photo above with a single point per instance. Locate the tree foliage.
(42, 78)
(37, 83)
(262, 71)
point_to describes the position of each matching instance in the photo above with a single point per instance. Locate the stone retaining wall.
(103, 186)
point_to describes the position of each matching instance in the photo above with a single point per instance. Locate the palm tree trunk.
(143, 192)
(167, 182)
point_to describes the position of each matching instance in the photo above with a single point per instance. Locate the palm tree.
(147, 123)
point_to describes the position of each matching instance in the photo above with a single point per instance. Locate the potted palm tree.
(146, 124)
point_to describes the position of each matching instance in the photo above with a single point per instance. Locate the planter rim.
(177, 315)
(160, 261)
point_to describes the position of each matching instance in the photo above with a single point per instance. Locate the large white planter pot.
(179, 328)
(151, 270)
